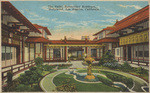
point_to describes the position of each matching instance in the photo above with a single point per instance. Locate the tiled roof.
(107, 28)
(37, 40)
(45, 28)
(134, 18)
(107, 40)
(71, 42)
(56, 42)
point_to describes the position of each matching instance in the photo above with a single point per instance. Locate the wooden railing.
(146, 61)
(17, 69)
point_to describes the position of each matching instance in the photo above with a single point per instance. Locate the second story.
(44, 32)
(103, 33)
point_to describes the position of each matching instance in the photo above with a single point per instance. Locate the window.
(6, 53)
(100, 35)
(146, 53)
(117, 52)
(140, 54)
(94, 53)
(136, 54)
(56, 53)
(38, 48)
(3, 53)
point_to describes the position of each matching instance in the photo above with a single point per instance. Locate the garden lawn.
(83, 87)
(138, 82)
(46, 83)
(85, 71)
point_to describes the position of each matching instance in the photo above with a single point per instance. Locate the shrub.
(9, 77)
(23, 88)
(126, 67)
(101, 61)
(112, 65)
(120, 78)
(67, 86)
(48, 67)
(141, 71)
(38, 61)
(31, 76)
(105, 80)
(107, 57)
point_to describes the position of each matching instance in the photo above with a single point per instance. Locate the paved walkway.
(77, 64)
(47, 84)
(136, 65)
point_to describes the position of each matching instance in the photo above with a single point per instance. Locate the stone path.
(77, 64)
(47, 84)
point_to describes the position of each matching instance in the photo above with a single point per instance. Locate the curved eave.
(107, 40)
(131, 20)
(7, 6)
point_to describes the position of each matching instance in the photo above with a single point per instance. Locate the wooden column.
(126, 52)
(99, 53)
(138, 54)
(29, 51)
(43, 49)
(143, 53)
(34, 50)
(65, 53)
(22, 49)
(131, 53)
(120, 54)
(86, 51)
(45, 52)
(49, 54)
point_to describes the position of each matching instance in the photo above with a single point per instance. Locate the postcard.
(75, 46)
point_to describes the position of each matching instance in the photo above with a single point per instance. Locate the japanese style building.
(22, 41)
(133, 35)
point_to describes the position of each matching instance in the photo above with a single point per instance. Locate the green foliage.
(48, 67)
(101, 61)
(38, 61)
(120, 78)
(9, 77)
(23, 88)
(31, 76)
(66, 86)
(104, 80)
(107, 57)
(64, 66)
(12, 85)
(126, 67)
(140, 70)
(112, 65)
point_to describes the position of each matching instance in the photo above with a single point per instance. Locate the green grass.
(84, 71)
(63, 67)
(84, 87)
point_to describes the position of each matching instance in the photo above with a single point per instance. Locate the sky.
(76, 23)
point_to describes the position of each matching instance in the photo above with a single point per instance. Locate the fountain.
(89, 60)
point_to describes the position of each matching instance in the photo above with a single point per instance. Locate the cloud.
(110, 11)
(43, 24)
(55, 19)
(21, 11)
(45, 7)
(131, 6)
(68, 11)
(116, 15)
(33, 14)
(40, 18)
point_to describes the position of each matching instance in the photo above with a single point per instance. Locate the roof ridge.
(132, 15)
